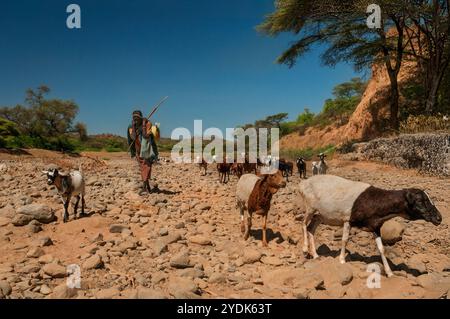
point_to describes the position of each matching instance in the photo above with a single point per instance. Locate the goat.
(337, 201)
(321, 167)
(202, 164)
(286, 168)
(224, 171)
(301, 167)
(254, 194)
(69, 185)
(237, 169)
(249, 167)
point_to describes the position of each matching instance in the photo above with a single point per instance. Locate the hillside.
(367, 121)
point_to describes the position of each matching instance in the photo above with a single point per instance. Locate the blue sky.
(204, 54)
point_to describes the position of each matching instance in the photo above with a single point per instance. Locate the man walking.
(143, 146)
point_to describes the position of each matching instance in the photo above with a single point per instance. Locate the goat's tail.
(80, 168)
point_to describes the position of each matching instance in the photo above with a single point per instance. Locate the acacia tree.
(342, 26)
(42, 117)
(428, 32)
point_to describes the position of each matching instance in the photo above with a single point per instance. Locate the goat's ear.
(44, 172)
(410, 198)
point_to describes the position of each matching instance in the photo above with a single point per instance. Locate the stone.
(5, 288)
(163, 231)
(292, 278)
(183, 288)
(200, 240)
(181, 260)
(147, 293)
(46, 259)
(343, 273)
(217, 278)
(35, 252)
(54, 270)
(63, 292)
(302, 293)
(93, 262)
(21, 220)
(274, 261)
(416, 264)
(44, 242)
(160, 247)
(172, 238)
(117, 229)
(392, 231)
(437, 284)
(109, 293)
(45, 290)
(251, 256)
(39, 212)
(192, 273)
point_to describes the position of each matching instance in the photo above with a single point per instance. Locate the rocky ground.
(185, 241)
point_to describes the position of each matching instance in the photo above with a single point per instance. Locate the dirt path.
(185, 241)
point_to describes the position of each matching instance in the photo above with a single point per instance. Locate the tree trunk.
(394, 97)
(433, 89)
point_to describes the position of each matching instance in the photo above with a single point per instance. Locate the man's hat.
(137, 113)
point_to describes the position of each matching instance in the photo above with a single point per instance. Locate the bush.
(346, 147)
(307, 153)
(424, 123)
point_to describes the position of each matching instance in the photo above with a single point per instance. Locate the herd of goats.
(225, 168)
(322, 198)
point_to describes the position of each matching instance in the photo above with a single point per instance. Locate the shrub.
(424, 123)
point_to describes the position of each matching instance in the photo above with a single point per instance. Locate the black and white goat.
(321, 167)
(68, 186)
(337, 201)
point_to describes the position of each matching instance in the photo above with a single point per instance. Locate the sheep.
(321, 167)
(301, 167)
(337, 201)
(254, 193)
(68, 186)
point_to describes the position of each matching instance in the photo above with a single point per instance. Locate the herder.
(142, 144)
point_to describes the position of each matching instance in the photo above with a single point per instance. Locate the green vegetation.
(410, 31)
(308, 153)
(424, 123)
(48, 124)
(338, 110)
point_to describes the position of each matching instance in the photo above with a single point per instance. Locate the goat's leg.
(345, 235)
(306, 220)
(315, 222)
(249, 226)
(66, 209)
(241, 213)
(264, 230)
(387, 269)
(75, 209)
(82, 204)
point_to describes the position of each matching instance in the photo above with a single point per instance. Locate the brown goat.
(254, 194)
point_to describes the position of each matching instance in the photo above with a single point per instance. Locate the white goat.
(321, 167)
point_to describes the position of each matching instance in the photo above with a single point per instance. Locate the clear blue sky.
(204, 54)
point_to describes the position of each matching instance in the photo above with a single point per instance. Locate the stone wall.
(428, 152)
